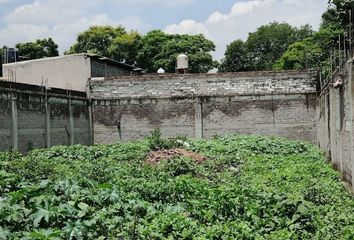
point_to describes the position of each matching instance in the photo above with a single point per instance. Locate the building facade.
(70, 72)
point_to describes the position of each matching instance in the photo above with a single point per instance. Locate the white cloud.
(246, 16)
(188, 27)
(61, 19)
(168, 3)
(64, 19)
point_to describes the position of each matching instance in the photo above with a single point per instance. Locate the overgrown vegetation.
(249, 188)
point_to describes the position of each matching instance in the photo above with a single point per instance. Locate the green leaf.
(83, 206)
(39, 215)
(303, 209)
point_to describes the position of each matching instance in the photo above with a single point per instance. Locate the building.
(70, 72)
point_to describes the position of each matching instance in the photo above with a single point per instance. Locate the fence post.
(351, 84)
(47, 122)
(71, 120)
(89, 102)
(14, 125)
(199, 118)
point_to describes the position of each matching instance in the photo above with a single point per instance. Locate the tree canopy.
(38, 49)
(161, 50)
(124, 48)
(97, 39)
(236, 58)
(153, 50)
(263, 47)
(315, 51)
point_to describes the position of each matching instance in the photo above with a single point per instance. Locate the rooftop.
(86, 55)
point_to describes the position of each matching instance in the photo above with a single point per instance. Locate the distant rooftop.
(86, 55)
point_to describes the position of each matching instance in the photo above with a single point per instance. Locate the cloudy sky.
(220, 20)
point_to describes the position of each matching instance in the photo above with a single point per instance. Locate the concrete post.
(47, 122)
(14, 127)
(71, 120)
(332, 132)
(198, 106)
(338, 134)
(350, 70)
(89, 102)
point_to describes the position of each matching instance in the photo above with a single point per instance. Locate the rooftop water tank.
(182, 62)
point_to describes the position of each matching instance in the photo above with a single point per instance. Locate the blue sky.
(220, 20)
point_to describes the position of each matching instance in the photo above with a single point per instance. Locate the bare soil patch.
(154, 157)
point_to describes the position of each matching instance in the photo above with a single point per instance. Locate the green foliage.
(337, 13)
(236, 58)
(250, 188)
(124, 48)
(39, 49)
(156, 142)
(314, 51)
(160, 49)
(299, 56)
(267, 44)
(262, 47)
(154, 50)
(97, 39)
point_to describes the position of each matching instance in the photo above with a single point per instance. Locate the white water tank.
(182, 62)
(161, 71)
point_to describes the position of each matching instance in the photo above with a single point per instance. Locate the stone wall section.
(229, 84)
(264, 103)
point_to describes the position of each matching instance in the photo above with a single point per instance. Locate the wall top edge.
(146, 77)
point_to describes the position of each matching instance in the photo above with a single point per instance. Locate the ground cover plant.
(242, 188)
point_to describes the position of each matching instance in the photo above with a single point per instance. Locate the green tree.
(236, 58)
(338, 12)
(125, 48)
(300, 55)
(97, 39)
(160, 49)
(268, 43)
(39, 49)
(315, 51)
(152, 44)
(263, 48)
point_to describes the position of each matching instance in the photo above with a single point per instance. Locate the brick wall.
(200, 105)
(203, 85)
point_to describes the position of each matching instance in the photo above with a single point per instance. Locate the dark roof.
(114, 62)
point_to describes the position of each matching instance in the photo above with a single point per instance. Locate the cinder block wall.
(201, 105)
(31, 119)
(335, 127)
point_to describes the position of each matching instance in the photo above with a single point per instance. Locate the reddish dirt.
(154, 157)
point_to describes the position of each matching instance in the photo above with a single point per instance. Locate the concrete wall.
(65, 72)
(335, 128)
(264, 103)
(32, 119)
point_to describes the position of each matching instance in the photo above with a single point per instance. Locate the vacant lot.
(225, 188)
